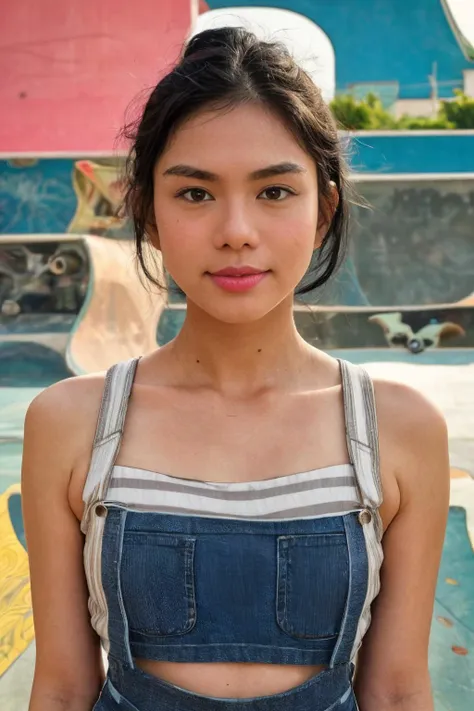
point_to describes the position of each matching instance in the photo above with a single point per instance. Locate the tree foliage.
(369, 114)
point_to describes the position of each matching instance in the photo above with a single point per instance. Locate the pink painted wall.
(69, 68)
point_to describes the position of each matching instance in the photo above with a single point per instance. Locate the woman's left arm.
(392, 666)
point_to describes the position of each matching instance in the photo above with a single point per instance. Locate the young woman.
(216, 514)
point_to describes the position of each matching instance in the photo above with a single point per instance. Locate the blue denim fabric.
(196, 589)
(132, 690)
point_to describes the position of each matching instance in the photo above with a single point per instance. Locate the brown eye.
(195, 195)
(275, 193)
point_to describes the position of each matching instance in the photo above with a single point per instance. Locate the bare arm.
(392, 668)
(68, 667)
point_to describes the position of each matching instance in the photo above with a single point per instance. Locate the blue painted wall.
(412, 152)
(382, 40)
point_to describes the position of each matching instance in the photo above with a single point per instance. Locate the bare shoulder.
(61, 420)
(69, 401)
(403, 410)
(412, 433)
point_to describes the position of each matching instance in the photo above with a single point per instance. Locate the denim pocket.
(157, 583)
(312, 585)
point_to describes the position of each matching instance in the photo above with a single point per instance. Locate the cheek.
(175, 228)
(180, 236)
(294, 238)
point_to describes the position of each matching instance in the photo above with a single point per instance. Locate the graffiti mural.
(57, 195)
(98, 189)
(36, 196)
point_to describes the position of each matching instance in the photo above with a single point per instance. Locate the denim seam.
(338, 702)
(348, 603)
(126, 634)
(189, 551)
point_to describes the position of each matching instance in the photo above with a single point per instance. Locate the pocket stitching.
(283, 584)
(188, 547)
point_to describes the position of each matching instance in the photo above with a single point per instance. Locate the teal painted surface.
(412, 153)
(453, 673)
(28, 365)
(38, 198)
(440, 356)
(14, 509)
(400, 42)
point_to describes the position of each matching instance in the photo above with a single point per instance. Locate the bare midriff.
(231, 680)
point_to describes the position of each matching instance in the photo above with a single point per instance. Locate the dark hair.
(220, 69)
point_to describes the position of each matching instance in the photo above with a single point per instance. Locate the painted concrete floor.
(451, 387)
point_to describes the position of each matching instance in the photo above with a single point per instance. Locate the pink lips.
(238, 279)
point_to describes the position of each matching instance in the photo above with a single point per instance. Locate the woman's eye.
(195, 195)
(275, 194)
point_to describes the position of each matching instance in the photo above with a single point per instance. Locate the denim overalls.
(282, 571)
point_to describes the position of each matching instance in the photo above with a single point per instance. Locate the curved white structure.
(307, 42)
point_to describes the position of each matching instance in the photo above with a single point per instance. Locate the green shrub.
(460, 111)
(369, 114)
(423, 123)
(350, 114)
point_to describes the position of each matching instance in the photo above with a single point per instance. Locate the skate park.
(402, 305)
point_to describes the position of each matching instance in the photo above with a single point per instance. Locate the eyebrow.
(188, 171)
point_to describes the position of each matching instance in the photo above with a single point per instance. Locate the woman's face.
(236, 206)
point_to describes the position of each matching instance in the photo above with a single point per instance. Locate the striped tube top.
(320, 492)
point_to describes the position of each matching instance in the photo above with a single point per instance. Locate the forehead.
(248, 135)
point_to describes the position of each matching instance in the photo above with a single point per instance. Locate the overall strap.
(362, 444)
(362, 432)
(113, 409)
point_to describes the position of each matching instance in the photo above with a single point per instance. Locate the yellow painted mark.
(451, 581)
(445, 621)
(459, 474)
(16, 618)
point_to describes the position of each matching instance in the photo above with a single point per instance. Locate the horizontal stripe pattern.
(329, 491)
(317, 510)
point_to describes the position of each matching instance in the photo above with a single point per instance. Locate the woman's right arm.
(68, 671)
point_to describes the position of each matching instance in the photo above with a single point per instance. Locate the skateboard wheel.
(414, 345)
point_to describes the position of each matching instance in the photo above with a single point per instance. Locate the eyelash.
(183, 192)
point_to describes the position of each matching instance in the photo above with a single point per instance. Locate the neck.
(241, 358)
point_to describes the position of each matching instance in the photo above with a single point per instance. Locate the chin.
(239, 309)
(237, 313)
(238, 316)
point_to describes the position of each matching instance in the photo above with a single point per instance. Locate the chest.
(217, 440)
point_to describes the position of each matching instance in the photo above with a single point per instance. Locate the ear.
(327, 208)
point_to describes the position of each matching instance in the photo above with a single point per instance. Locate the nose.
(237, 228)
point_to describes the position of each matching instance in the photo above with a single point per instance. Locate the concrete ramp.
(119, 318)
(76, 297)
